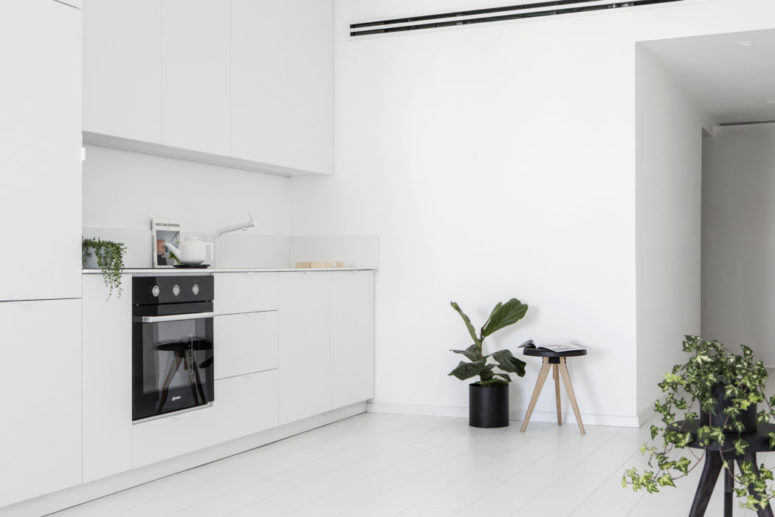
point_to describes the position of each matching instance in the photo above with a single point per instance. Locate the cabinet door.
(310, 86)
(245, 343)
(245, 292)
(173, 435)
(107, 379)
(259, 126)
(195, 61)
(245, 405)
(40, 189)
(352, 337)
(305, 344)
(40, 439)
(122, 68)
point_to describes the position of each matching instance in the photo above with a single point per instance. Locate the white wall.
(497, 161)
(668, 217)
(125, 190)
(738, 298)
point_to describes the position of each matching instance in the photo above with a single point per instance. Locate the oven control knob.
(176, 289)
(155, 291)
(195, 289)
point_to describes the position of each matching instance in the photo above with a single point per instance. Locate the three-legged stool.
(554, 361)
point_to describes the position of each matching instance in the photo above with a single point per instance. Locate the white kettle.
(192, 251)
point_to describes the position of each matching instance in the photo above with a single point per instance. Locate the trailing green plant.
(110, 259)
(690, 400)
(484, 365)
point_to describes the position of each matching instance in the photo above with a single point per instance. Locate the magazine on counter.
(552, 348)
(165, 232)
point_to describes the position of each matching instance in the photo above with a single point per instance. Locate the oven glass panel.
(176, 365)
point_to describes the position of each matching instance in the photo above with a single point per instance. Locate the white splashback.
(353, 250)
(246, 250)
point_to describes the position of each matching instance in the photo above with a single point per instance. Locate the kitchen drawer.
(245, 405)
(245, 292)
(245, 343)
(171, 436)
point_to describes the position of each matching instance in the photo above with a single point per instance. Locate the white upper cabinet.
(259, 125)
(195, 87)
(243, 83)
(40, 120)
(122, 68)
(310, 86)
(282, 82)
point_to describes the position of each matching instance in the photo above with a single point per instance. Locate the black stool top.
(757, 442)
(544, 352)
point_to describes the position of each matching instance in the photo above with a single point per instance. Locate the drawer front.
(245, 292)
(245, 343)
(245, 405)
(172, 436)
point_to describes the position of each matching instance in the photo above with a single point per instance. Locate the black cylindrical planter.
(488, 406)
(748, 418)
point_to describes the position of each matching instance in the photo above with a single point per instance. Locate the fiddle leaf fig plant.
(484, 365)
(110, 259)
(706, 402)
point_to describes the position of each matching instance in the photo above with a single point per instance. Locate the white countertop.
(207, 271)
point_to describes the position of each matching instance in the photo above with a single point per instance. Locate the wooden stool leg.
(571, 394)
(556, 375)
(536, 392)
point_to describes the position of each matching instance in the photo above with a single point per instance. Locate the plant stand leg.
(536, 392)
(556, 375)
(751, 456)
(571, 395)
(710, 472)
(729, 485)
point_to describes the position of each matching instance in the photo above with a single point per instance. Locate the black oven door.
(172, 364)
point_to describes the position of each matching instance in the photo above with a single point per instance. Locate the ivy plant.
(110, 259)
(689, 398)
(484, 365)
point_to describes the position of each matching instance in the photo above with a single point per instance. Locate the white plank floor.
(381, 465)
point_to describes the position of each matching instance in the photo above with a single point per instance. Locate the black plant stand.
(714, 463)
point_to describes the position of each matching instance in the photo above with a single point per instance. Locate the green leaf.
(465, 370)
(508, 363)
(471, 353)
(492, 382)
(467, 321)
(507, 314)
(494, 311)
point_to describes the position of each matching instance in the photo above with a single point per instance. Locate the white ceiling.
(731, 81)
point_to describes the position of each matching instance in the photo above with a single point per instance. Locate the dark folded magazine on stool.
(552, 348)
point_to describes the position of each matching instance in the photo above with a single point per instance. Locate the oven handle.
(174, 317)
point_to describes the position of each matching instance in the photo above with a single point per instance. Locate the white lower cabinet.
(326, 341)
(174, 435)
(40, 439)
(245, 405)
(352, 337)
(305, 344)
(107, 379)
(245, 292)
(245, 343)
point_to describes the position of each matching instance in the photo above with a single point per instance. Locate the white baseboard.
(518, 415)
(87, 492)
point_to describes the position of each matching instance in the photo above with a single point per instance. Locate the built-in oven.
(172, 339)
